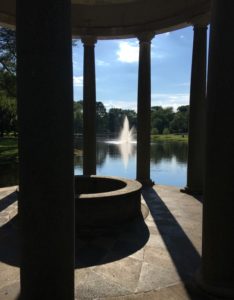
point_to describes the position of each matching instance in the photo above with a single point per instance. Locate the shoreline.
(9, 145)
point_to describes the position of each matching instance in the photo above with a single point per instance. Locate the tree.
(8, 118)
(154, 131)
(78, 116)
(166, 131)
(180, 122)
(132, 117)
(116, 118)
(183, 109)
(101, 118)
(161, 117)
(8, 61)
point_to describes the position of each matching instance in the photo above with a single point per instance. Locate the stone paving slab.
(9, 273)
(150, 259)
(170, 255)
(174, 292)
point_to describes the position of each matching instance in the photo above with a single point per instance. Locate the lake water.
(168, 162)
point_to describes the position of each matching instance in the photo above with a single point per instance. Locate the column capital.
(200, 26)
(88, 40)
(145, 37)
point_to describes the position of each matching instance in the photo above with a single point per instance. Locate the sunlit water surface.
(168, 162)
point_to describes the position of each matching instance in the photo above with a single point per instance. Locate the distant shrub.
(154, 131)
(166, 131)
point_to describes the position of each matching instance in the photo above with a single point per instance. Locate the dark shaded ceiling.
(125, 18)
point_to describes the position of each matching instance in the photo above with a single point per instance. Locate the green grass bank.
(8, 150)
(169, 137)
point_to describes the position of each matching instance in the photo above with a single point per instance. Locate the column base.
(192, 192)
(213, 291)
(146, 182)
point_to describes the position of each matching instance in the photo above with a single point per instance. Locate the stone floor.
(153, 258)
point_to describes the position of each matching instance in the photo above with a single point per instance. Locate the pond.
(168, 162)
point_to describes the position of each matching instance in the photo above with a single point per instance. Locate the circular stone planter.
(103, 204)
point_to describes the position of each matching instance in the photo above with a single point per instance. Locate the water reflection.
(168, 162)
(121, 150)
(127, 150)
(168, 150)
(115, 150)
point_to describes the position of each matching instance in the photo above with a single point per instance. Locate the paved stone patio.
(153, 258)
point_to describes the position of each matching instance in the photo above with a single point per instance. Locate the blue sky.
(117, 68)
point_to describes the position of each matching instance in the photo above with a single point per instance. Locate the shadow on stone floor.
(7, 201)
(184, 255)
(89, 251)
(108, 248)
(198, 198)
(9, 241)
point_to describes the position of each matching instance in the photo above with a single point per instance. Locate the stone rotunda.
(44, 71)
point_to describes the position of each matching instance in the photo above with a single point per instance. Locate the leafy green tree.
(161, 117)
(180, 122)
(78, 116)
(8, 117)
(166, 131)
(8, 61)
(116, 118)
(183, 109)
(154, 131)
(101, 118)
(132, 117)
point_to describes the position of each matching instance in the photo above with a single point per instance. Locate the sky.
(117, 70)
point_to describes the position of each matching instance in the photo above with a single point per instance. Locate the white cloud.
(120, 104)
(167, 33)
(102, 63)
(173, 100)
(78, 81)
(157, 52)
(157, 99)
(128, 52)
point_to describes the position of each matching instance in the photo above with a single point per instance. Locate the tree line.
(8, 115)
(163, 120)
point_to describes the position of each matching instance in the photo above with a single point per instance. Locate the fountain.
(126, 139)
(126, 134)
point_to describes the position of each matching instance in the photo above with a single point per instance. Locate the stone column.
(195, 171)
(45, 114)
(89, 107)
(217, 276)
(144, 110)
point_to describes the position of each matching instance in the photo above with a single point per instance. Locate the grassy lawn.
(169, 137)
(8, 149)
